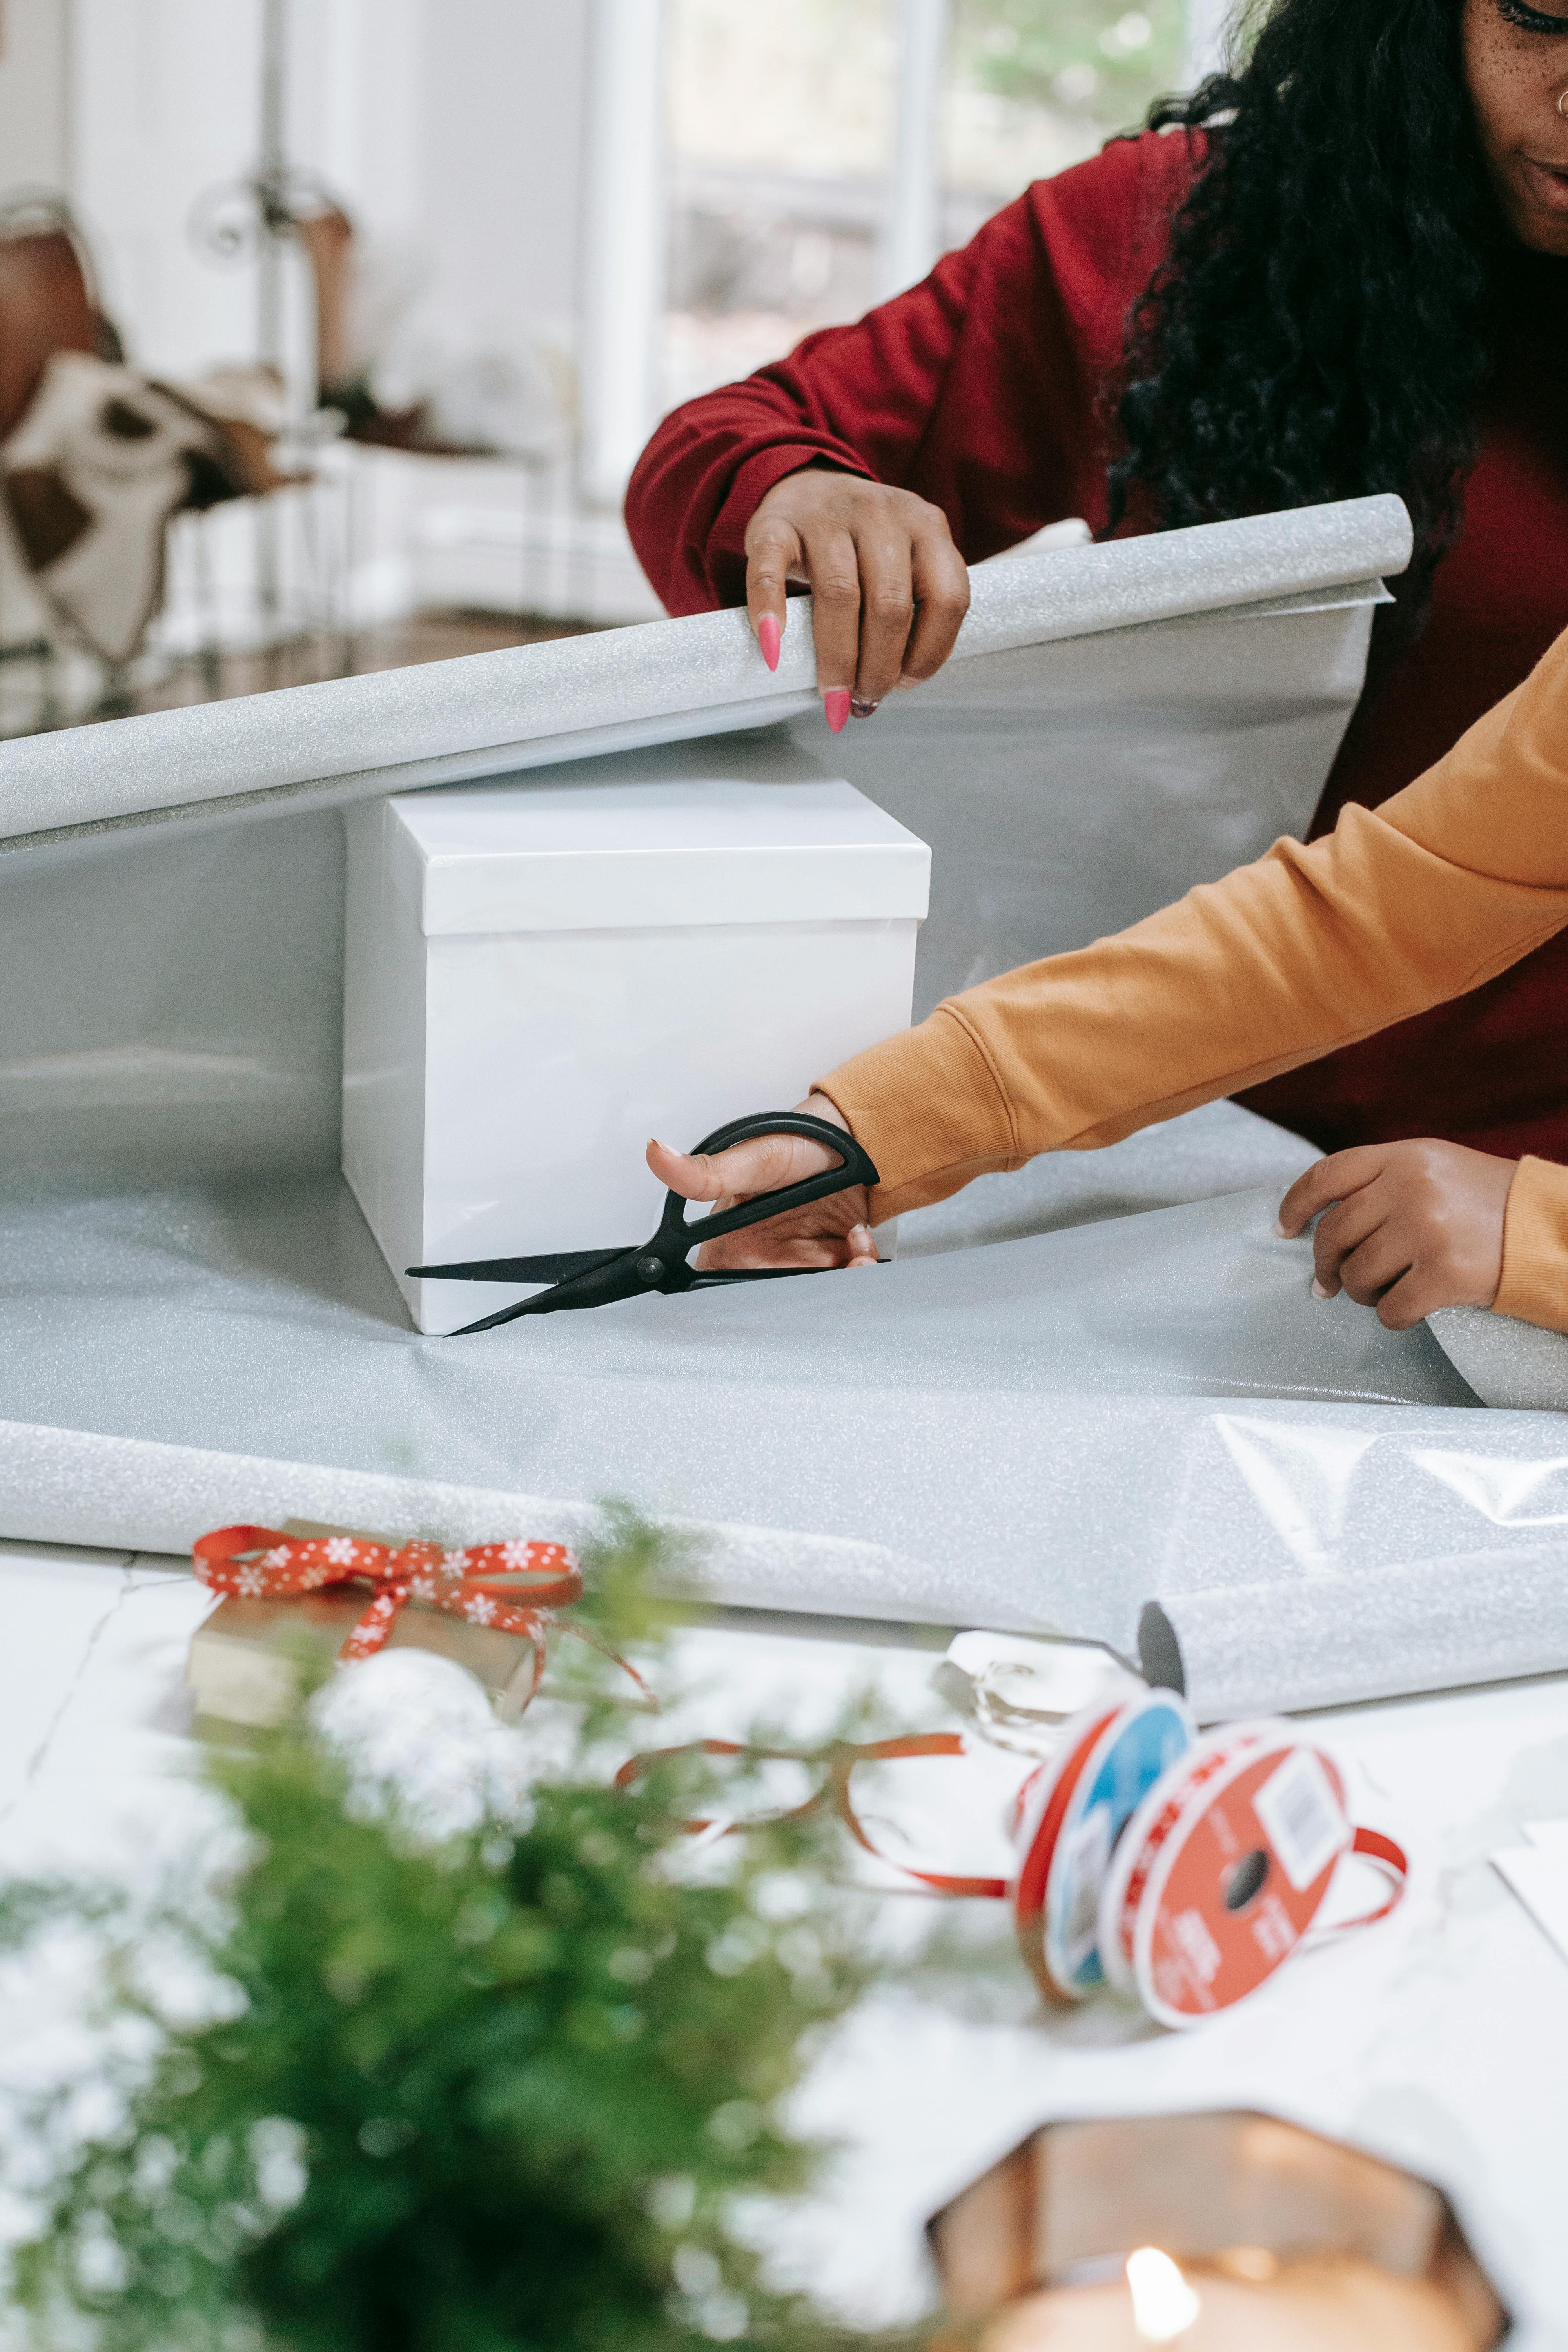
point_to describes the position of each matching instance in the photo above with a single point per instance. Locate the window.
(1035, 84)
(780, 125)
(821, 153)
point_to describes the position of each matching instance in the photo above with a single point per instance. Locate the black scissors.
(598, 1278)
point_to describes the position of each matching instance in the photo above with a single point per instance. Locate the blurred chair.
(48, 298)
(49, 303)
(96, 459)
(484, 408)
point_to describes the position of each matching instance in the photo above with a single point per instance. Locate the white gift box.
(541, 973)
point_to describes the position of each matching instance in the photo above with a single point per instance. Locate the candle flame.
(1163, 2304)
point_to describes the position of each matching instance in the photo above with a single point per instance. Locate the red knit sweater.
(982, 389)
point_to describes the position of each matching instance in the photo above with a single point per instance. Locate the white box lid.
(733, 830)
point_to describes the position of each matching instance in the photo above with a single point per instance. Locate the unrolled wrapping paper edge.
(1513, 1366)
(69, 1486)
(396, 728)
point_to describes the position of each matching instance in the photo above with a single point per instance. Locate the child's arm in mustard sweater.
(1311, 948)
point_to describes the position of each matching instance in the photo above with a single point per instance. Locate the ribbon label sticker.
(1306, 1824)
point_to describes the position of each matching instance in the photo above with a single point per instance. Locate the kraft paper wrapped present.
(247, 1659)
(244, 1666)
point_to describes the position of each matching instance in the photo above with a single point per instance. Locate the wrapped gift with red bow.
(487, 1606)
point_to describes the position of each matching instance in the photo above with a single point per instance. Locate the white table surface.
(1440, 2040)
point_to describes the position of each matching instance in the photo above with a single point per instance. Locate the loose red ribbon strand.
(1393, 1861)
(839, 1760)
(512, 1587)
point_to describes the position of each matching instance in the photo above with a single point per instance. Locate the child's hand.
(1410, 1226)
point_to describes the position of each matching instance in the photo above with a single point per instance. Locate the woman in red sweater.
(1339, 270)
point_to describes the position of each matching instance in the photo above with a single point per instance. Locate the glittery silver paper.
(67, 1485)
(1046, 1430)
(1423, 1625)
(1507, 1362)
(487, 713)
(172, 993)
(1068, 788)
(1103, 1406)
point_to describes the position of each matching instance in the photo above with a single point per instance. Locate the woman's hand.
(825, 1233)
(1410, 1228)
(888, 587)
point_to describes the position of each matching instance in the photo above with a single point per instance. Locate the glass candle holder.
(1248, 2233)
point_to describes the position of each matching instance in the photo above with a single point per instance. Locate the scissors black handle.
(676, 1234)
(661, 1263)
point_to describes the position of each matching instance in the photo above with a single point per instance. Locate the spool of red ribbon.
(1186, 1871)
(1222, 1873)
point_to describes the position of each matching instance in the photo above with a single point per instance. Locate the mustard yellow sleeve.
(1534, 1285)
(1308, 949)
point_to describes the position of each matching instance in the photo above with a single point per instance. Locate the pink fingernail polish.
(836, 706)
(769, 638)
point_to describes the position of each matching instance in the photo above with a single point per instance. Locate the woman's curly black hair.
(1323, 326)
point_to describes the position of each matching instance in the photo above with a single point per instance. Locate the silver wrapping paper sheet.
(173, 995)
(1125, 1402)
(1048, 1431)
(1431, 1624)
(1066, 790)
(487, 713)
(1507, 1363)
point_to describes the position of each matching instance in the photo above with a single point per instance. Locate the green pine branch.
(501, 2093)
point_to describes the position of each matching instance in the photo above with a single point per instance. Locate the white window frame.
(911, 220)
(624, 241)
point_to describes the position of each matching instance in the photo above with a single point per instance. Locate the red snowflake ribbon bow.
(511, 1588)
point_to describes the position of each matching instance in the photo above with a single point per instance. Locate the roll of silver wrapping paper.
(70, 1487)
(1386, 1632)
(486, 714)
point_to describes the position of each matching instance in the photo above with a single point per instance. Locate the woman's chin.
(1537, 205)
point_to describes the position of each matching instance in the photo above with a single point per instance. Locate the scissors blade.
(701, 1281)
(601, 1283)
(562, 1267)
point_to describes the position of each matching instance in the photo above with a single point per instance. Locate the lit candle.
(1336, 2304)
(1163, 2304)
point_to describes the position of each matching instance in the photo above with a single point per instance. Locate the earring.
(1562, 103)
